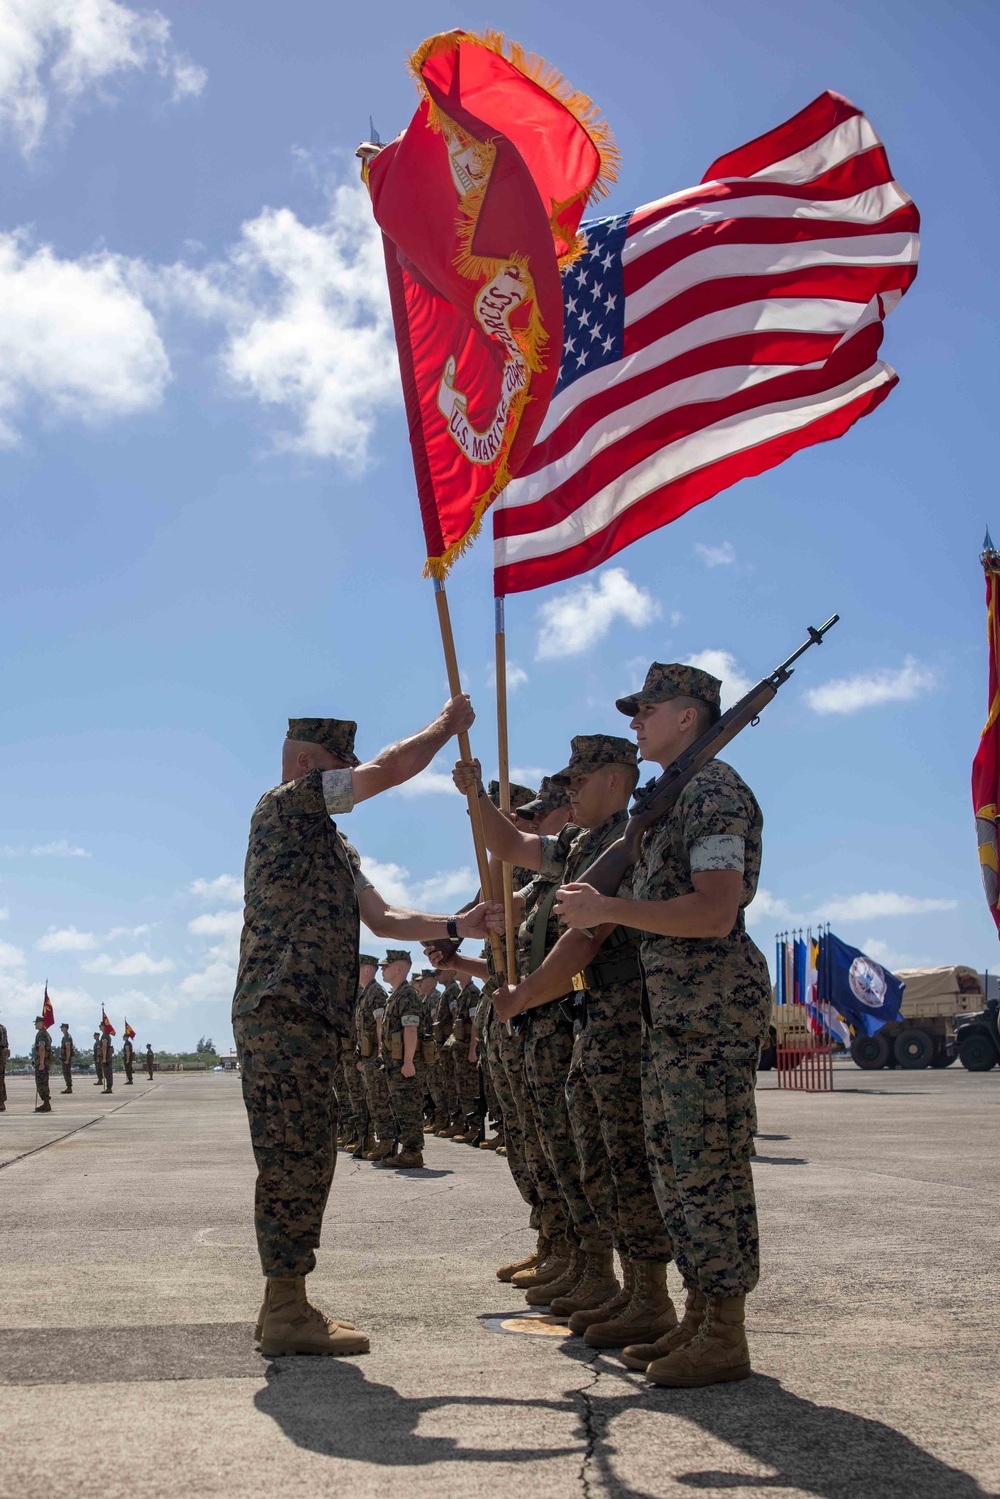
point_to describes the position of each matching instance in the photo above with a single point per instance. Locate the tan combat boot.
(581, 1320)
(468, 1137)
(291, 1325)
(649, 1314)
(717, 1353)
(506, 1273)
(381, 1150)
(541, 1295)
(492, 1142)
(264, 1309)
(438, 1125)
(552, 1267)
(407, 1160)
(641, 1355)
(597, 1284)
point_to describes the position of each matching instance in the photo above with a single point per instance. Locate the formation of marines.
(42, 1052)
(618, 1061)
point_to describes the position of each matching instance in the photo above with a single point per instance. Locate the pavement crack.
(80, 1127)
(591, 1425)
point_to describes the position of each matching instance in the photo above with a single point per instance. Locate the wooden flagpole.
(503, 760)
(465, 750)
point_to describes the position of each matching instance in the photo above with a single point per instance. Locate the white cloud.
(226, 924)
(890, 957)
(59, 850)
(127, 931)
(54, 54)
(224, 887)
(872, 905)
(66, 939)
(767, 907)
(716, 556)
(443, 890)
(435, 780)
(10, 956)
(305, 311)
(76, 340)
(576, 620)
(871, 689)
(128, 966)
(516, 676)
(676, 618)
(527, 775)
(4, 913)
(723, 665)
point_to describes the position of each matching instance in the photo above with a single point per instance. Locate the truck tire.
(977, 1052)
(914, 1049)
(945, 1058)
(870, 1052)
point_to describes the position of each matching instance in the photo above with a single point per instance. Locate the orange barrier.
(805, 1065)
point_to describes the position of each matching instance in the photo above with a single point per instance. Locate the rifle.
(654, 800)
(481, 1107)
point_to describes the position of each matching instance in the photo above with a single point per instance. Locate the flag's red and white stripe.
(753, 317)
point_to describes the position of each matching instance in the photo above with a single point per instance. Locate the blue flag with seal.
(861, 990)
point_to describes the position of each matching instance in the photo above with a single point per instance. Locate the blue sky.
(208, 511)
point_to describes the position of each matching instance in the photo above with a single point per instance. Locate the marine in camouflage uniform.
(706, 1010)
(98, 1064)
(4, 1058)
(444, 1091)
(66, 1053)
(426, 985)
(367, 1018)
(128, 1053)
(41, 1061)
(150, 1059)
(350, 1086)
(108, 1063)
(406, 1078)
(466, 1073)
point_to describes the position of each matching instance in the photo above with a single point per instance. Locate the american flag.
(709, 336)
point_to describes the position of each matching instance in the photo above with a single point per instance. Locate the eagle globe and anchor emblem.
(868, 983)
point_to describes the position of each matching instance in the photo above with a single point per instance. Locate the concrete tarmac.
(129, 1284)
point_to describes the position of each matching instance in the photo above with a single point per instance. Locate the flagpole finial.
(989, 556)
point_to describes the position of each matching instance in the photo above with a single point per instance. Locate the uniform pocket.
(428, 1050)
(396, 1046)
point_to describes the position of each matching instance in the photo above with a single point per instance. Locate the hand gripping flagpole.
(503, 769)
(465, 751)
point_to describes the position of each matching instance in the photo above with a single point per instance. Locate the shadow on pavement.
(329, 1407)
(808, 1448)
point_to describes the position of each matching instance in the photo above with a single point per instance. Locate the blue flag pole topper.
(865, 993)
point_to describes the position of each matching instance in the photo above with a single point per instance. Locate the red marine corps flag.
(480, 202)
(129, 1032)
(106, 1025)
(986, 765)
(48, 1014)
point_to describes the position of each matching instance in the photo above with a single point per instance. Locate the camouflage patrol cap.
(365, 960)
(518, 794)
(333, 734)
(589, 751)
(664, 681)
(427, 973)
(551, 794)
(395, 955)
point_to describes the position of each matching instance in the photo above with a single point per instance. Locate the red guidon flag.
(709, 336)
(48, 1014)
(480, 202)
(986, 765)
(129, 1032)
(106, 1025)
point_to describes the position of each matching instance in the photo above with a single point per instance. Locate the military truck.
(978, 1038)
(925, 1034)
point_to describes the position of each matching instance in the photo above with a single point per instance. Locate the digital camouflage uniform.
(98, 1064)
(446, 1104)
(41, 1060)
(128, 1052)
(466, 1073)
(404, 1007)
(4, 1057)
(369, 1011)
(149, 1062)
(107, 1063)
(66, 1053)
(484, 1021)
(295, 990)
(707, 1011)
(604, 1084)
(349, 1084)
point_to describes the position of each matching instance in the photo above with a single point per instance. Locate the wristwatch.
(453, 928)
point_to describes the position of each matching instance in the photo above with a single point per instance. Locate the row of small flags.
(49, 1018)
(842, 990)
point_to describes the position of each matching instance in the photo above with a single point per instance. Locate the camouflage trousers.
(441, 1087)
(464, 1078)
(698, 1106)
(550, 1215)
(128, 1071)
(604, 1095)
(3, 1080)
(288, 1058)
(490, 1064)
(67, 1072)
(508, 1077)
(377, 1094)
(547, 1053)
(42, 1085)
(406, 1099)
(351, 1093)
